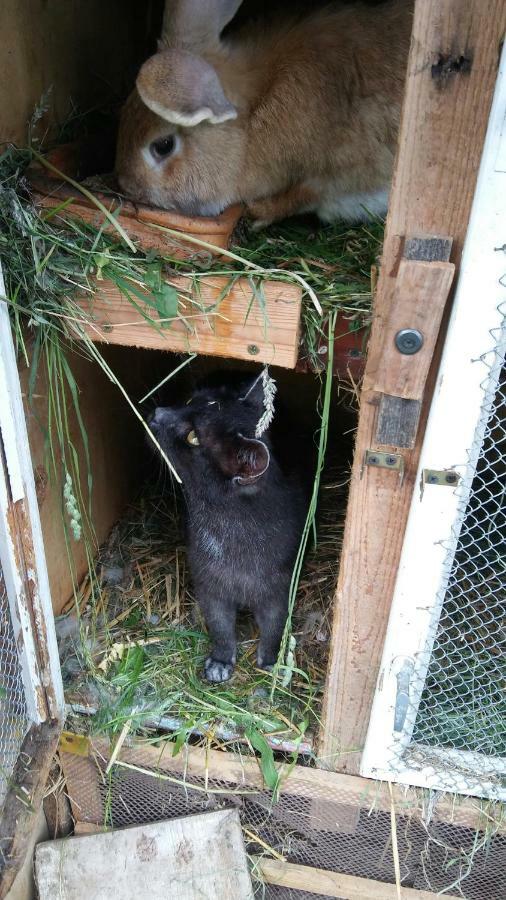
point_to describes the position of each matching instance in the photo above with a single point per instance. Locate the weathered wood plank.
(236, 326)
(443, 125)
(335, 884)
(195, 856)
(428, 248)
(397, 421)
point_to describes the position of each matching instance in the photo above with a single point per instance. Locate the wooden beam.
(234, 324)
(451, 75)
(241, 771)
(335, 884)
(423, 285)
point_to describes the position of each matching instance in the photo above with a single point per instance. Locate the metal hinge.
(447, 477)
(440, 477)
(381, 460)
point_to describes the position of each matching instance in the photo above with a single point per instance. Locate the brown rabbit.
(299, 116)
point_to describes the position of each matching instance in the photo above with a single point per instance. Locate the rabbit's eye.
(162, 147)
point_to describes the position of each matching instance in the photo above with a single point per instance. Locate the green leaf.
(164, 295)
(166, 302)
(179, 742)
(266, 761)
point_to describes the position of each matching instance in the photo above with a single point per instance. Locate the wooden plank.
(195, 856)
(317, 785)
(235, 327)
(442, 131)
(398, 417)
(420, 295)
(113, 462)
(66, 48)
(335, 884)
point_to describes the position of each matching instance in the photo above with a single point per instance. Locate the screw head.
(408, 341)
(253, 350)
(373, 460)
(390, 460)
(432, 479)
(451, 478)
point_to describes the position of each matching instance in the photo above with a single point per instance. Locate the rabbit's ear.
(194, 24)
(183, 89)
(242, 459)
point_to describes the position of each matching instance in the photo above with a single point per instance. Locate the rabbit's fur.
(300, 116)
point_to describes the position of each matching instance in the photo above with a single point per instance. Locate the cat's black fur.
(245, 513)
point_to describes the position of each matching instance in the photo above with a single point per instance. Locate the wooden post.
(450, 80)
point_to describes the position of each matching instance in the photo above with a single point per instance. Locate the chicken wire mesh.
(463, 704)
(13, 714)
(459, 683)
(322, 828)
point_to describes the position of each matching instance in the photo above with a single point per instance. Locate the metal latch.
(381, 460)
(405, 667)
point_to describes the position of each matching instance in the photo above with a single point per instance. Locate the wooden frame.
(451, 76)
(244, 772)
(470, 368)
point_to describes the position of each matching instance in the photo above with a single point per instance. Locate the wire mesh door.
(439, 713)
(13, 712)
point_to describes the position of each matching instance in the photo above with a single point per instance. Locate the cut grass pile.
(136, 653)
(47, 257)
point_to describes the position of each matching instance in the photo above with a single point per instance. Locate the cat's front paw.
(216, 671)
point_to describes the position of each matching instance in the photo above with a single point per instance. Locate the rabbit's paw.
(216, 671)
(262, 213)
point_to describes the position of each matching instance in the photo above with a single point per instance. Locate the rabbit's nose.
(161, 416)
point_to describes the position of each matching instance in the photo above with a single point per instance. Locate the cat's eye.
(191, 438)
(163, 147)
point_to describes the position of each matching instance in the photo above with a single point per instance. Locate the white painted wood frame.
(21, 546)
(471, 364)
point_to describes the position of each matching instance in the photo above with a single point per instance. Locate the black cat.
(245, 513)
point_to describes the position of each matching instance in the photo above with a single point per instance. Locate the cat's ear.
(245, 460)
